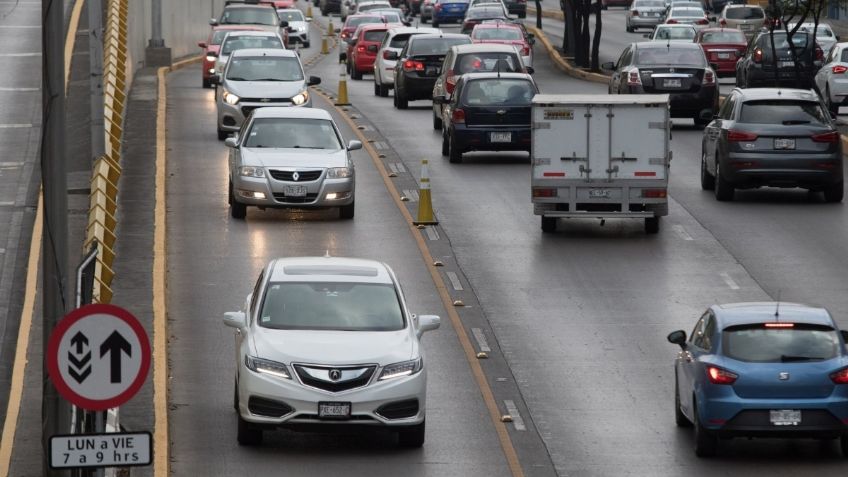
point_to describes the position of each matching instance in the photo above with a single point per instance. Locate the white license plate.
(784, 144)
(785, 417)
(672, 83)
(295, 191)
(599, 193)
(334, 409)
(786, 64)
(746, 27)
(724, 56)
(501, 137)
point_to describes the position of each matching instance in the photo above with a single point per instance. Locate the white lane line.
(400, 167)
(19, 89)
(20, 27)
(729, 281)
(10, 165)
(19, 55)
(455, 283)
(681, 231)
(393, 167)
(512, 410)
(481, 340)
(380, 145)
(2, 250)
(411, 194)
(432, 233)
(15, 126)
(6, 204)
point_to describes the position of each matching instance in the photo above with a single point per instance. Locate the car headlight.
(265, 366)
(211, 58)
(230, 98)
(251, 171)
(300, 98)
(301, 28)
(405, 368)
(339, 172)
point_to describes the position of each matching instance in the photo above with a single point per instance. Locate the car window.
(497, 34)
(374, 35)
(264, 68)
(485, 13)
(723, 36)
(649, 3)
(375, 6)
(686, 12)
(782, 111)
(675, 33)
(670, 56)
(844, 56)
(744, 13)
(709, 332)
(353, 22)
(482, 62)
(781, 42)
(250, 16)
(764, 344)
(498, 91)
(254, 299)
(399, 41)
(624, 59)
(331, 306)
(726, 110)
(232, 44)
(696, 338)
(435, 46)
(291, 15)
(218, 37)
(293, 133)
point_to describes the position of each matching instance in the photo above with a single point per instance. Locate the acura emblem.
(296, 176)
(335, 375)
(783, 376)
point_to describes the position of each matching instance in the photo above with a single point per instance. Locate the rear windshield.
(250, 16)
(499, 91)
(775, 345)
(485, 13)
(374, 6)
(497, 34)
(293, 133)
(670, 56)
(649, 4)
(724, 36)
(675, 33)
(399, 41)
(687, 12)
(799, 39)
(375, 35)
(291, 15)
(822, 31)
(745, 13)
(390, 17)
(356, 21)
(241, 42)
(264, 68)
(776, 111)
(436, 46)
(844, 58)
(482, 62)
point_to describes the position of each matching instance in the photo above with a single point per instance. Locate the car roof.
(373, 26)
(661, 44)
(240, 6)
(254, 33)
(276, 52)
(732, 314)
(281, 10)
(493, 25)
(230, 27)
(484, 48)
(741, 5)
(329, 269)
(405, 29)
(676, 25)
(749, 94)
(288, 112)
(495, 75)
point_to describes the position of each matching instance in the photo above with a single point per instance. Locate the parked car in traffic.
(419, 64)
(426, 11)
(769, 137)
(448, 11)
(330, 6)
(291, 158)
(392, 44)
(504, 33)
(258, 15)
(476, 15)
(677, 69)
(644, 14)
(723, 48)
(832, 78)
(212, 47)
(517, 7)
(329, 342)
(239, 40)
(757, 67)
(761, 370)
(298, 29)
(688, 16)
(748, 18)
(363, 49)
(349, 28)
(673, 33)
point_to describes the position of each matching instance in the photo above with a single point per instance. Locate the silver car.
(329, 342)
(298, 25)
(832, 78)
(238, 40)
(824, 34)
(291, 158)
(393, 42)
(682, 33)
(255, 78)
(644, 14)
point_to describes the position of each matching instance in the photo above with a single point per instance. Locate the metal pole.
(95, 58)
(156, 21)
(55, 411)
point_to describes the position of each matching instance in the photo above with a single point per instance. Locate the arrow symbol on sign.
(114, 344)
(80, 341)
(78, 368)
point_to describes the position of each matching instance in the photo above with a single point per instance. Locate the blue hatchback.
(448, 11)
(762, 370)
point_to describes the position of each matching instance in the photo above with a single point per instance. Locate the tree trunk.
(539, 14)
(568, 40)
(585, 41)
(596, 41)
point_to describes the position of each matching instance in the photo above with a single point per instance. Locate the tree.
(596, 40)
(539, 14)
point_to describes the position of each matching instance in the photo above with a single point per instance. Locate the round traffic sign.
(98, 356)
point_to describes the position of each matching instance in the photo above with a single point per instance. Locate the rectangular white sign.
(101, 450)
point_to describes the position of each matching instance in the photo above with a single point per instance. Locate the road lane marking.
(20, 55)
(681, 231)
(411, 194)
(432, 233)
(455, 283)
(16, 126)
(480, 337)
(19, 89)
(729, 281)
(447, 302)
(512, 410)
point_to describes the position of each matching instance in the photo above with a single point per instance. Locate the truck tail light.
(740, 136)
(654, 193)
(758, 56)
(839, 69)
(539, 192)
(840, 377)
(633, 78)
(412, 65)
(717, 375)
(458, 116)
(829, 137)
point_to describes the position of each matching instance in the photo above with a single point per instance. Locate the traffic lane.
(214, 261)
(596, 301)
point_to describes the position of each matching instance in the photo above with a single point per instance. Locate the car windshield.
(390, 17)
(293, 133)
(499, 91)
(723, 36)
(374, 35)
(331, 306)
(745, 13)
(674, 33)
(291, 15)
(353, 22)
(670, 56)
(483, 62)
(435, 46)
(497, 34)
(757, 343)
(822, 31)
(485, 13)
(649, 4)
(218, 36)
(686, 12)
(232, 43)
(250, 16)
(777, 111)
(264, 68)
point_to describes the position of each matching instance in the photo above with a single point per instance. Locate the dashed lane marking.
(480, 337)
(432, 233)
(729, 281)
(411, 194)
(455, 283)
(681, 231)
(512, 410)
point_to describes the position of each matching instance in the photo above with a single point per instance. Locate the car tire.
(445, 145)
(207, 84)
(346, 211)
(412, 437)
(423, 19)
(400, 100)
(833, 108)
(724, 191)
(707, 179)
(700, 122)
(549, 224)
(435, 23)
(235, 395)
(354, 74)
(680, 419)
(835, 192)
(376, 88)
(247, 434)
(383, 91)
(522, 15)
(454, 153)
(237, 209)
(222, 134)
(843, 445)
(306, 44)
(652, 225)
(629, 29)
(706, 444)
(437, 122)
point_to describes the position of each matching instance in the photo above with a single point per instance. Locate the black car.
(330, 6)
(772, 137)
(479, 14)
(487, 112)
(517, 7)
(757, 67)
(677, 69)
(419, 64)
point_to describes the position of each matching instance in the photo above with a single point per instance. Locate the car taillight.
(819, 54)
(538, 192)
(831, 137)
(412, 65)
(345, 35)
(840, 377)
(450, 81)
(360, 49)
(722, 22)
(671, 22)
(709, 78)
(839, 69)
(525, 50)
(703, 21)
(758, 56)
(717, 375)
(740, 136)
(633, 78)
(458, 116)
(635, 13)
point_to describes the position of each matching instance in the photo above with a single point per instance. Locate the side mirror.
(309, 19)
(231, 142)
(213, 22)
(372, 48)
(284, 23)
(214, 79)
(608, 66)
(313, 80)
(235, 319)
(439, 99)
(428, 323)
(844, 334)
(646, 35)
(202, 44)
(530, 70)
(390, 55)
(678, 337)
(354, 145)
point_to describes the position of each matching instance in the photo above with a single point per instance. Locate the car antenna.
(777, 307)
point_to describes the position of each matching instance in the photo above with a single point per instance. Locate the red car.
(213, 44)
(723, 47)
(349, 28)
(283, 3)
(362, 51)
(504, 33)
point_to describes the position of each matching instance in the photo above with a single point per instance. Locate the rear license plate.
(786, 64)
(295, 191)
(501, 137)
(334, 410)
(599, 193)
(672, 83)
(746, 27)
(785, 417)
(724, 56)
(432, 71)
(784, 144)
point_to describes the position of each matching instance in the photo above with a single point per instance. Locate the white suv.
(329, 341)
(384, 68)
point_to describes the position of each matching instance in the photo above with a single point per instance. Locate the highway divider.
(555, 14)
(561, 63)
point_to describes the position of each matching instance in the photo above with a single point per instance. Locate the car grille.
(303, 176)
(334, 386)
(281, 197)
(268, 407)
(399, 410)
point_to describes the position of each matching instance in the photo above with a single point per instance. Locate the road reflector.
(482, 355)
(404, 198)
(458, 303)
(438, 263)
(420, 227)
(392, 174)
(506, 418)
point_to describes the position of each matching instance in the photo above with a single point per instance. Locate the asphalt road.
(579, 317)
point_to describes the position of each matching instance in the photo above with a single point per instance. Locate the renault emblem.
(783, 376)
(671, 70)
(296, 176)
(265, 100)
(335, 375)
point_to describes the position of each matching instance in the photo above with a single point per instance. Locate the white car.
(327, 341)
(394, 41)
(824, 34)
(239, 40)
(474, 3)
(832, 78)
(688, 16)
(665, 32)
(298, 25)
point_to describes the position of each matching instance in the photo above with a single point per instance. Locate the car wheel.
(843, 444)
(435, 23)
(400, 100)
(384, 91)
(679, 418)
(454, 153)
(346, 211)
(833, 108)
(835, 192)
(206, 83)
(445, 144)
(306, 44)
(412, 436)
(522, 15)
(354, 74)
(237, 209)
(549, 224)
(376, 88)
(235, 395)
(629, 29)
(652, 225)
(706, 444)
(423, 19)
(247, 434)
(707, 179)
(723, 190)
(437, 122)
(222, 134)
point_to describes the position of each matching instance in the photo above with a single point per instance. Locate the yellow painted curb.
(556, 14)
(564, 65)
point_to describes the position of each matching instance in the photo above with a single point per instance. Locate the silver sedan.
(644, 14)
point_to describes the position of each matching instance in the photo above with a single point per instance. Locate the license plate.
(334, 410)
(724, 56)
(432, 71)
(654, 14)
(295, 191)
(785, 417)
(599, 193)
(672, 83)
(746, 27)
(786, 64)
(784, 144)
(501, 137)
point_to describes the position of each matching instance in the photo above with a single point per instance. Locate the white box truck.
(600, 156)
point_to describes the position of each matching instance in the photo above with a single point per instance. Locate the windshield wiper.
(795, 121)
(307, 147)
(270, 79)
(784, 358)
(236, 79)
